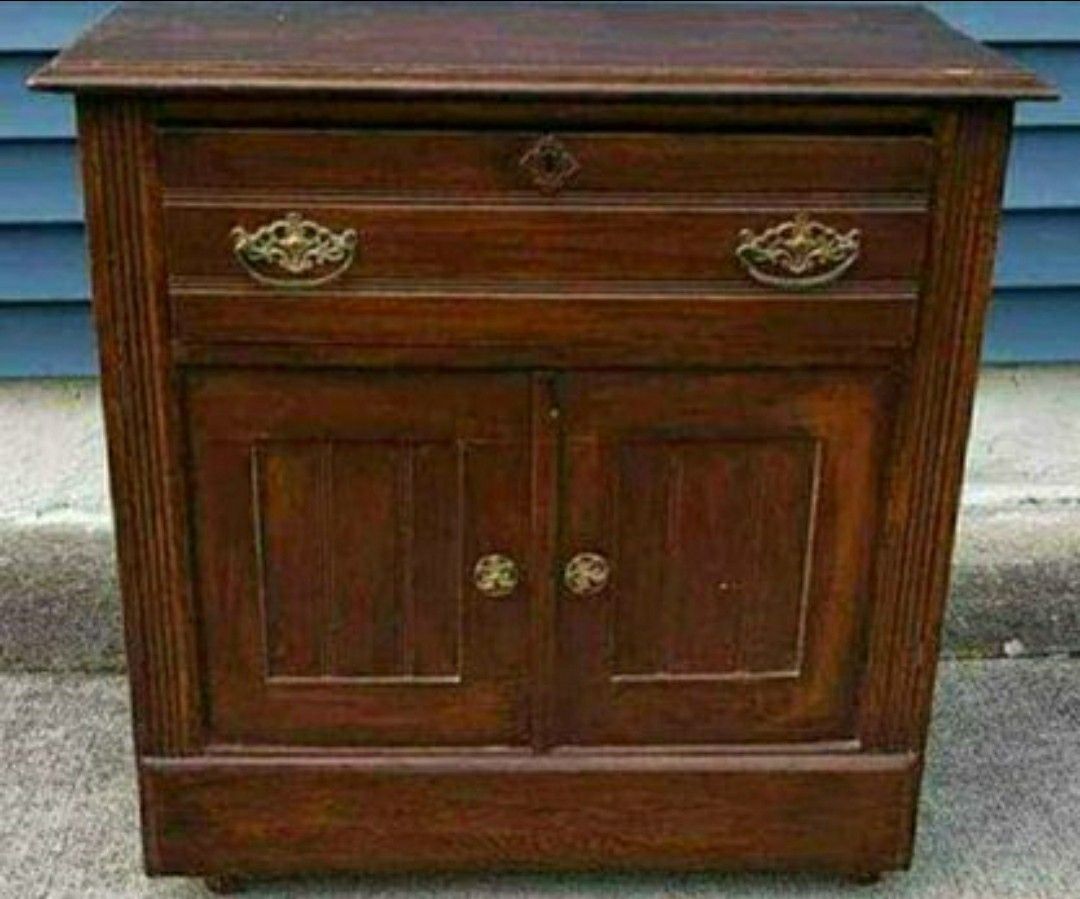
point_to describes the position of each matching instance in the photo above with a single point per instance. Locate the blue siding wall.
(44, 316)
(45, 324)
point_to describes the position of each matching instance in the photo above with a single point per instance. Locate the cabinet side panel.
(926, 470)
(140, 405)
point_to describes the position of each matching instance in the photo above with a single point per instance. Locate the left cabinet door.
(339, 524)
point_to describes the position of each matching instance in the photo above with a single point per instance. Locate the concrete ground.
(1000, 812)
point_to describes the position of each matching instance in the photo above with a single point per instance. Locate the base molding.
(849, 813)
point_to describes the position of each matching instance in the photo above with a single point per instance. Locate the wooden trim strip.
(842, 813)
(925, 474)
(141, 401)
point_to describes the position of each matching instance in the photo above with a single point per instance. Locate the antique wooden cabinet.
(535, 430)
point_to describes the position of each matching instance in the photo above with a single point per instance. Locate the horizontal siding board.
(1044, 170)
(45, 25)
(42, 263)
(46, 341)
(39, 183)
(31, 114)
(1039, 249)
(1033, 326)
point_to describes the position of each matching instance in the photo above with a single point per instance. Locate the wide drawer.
(318, 245)
(575, 164)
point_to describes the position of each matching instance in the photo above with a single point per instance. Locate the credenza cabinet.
(535, 430)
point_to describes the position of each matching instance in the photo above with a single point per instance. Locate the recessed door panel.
(362, 551)
(712, 541)
(735, 514)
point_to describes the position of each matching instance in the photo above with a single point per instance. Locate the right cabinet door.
(716, 546)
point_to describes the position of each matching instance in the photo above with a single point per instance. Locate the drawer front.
(530, 164)
(381, 245)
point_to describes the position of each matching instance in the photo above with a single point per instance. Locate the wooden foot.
(224, 884)
(866, 878)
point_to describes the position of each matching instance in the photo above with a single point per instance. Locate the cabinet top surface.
(603, 49)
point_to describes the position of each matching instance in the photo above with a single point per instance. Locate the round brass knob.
(495, 575)
(586, 574)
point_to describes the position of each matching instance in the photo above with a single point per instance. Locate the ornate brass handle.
(301, 248)
(496, 575)
(798, 254)
(586, 574)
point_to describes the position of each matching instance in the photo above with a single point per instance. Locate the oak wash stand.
(535, 430)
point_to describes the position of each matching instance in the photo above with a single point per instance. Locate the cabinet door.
(735, 514)
(339, 520)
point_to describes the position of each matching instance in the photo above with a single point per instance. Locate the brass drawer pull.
(586, 574)
(297, 246)
(798, 254)
(496, 575)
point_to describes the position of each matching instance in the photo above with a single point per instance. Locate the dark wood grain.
(303, 479)
(826, 812)
(289, 495)
(688, 484)
(926, 470)
(491, 325)
(541, 113)
(726, 531)
(142, 419)
(335, 550)
(546, 471)
(595, 49)
(444, 244)
(488, 163)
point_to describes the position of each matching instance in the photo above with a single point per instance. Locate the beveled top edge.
(553, 48)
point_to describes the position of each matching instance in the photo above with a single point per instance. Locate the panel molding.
(673, 457)
(323, 638)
